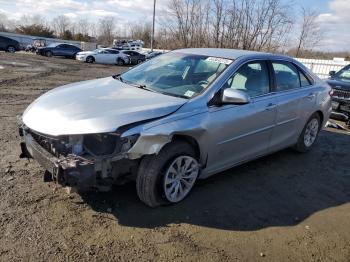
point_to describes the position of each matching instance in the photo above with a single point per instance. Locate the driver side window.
(252, 78)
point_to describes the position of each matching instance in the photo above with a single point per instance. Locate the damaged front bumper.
(74, 171)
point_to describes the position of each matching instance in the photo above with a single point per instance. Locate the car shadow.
(278, 190)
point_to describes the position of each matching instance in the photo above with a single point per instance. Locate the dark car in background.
(57, 49)
(152, 54)
(135, 57)
(9, 44)
(340, 83)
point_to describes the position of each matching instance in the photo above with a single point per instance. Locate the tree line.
(261, 25)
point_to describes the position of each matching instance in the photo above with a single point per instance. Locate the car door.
(296, 99)
(68, 50)
(102, 57)
(58, 50)
(242, 132)
(112, 56)
(133, 57)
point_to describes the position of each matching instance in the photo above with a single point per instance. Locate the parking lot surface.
(283, 207)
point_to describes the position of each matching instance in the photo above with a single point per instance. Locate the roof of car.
(220, 52)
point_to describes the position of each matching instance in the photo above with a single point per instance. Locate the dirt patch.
(284, 207)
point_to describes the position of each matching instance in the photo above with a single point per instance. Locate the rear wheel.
(169, 176)
(48, 53)
(120, 62)
(11, 49)
(90, 59)
(139, 61)
(309, 134)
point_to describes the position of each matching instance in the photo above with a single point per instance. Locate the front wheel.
(309, 134)
(48, 53)
(90, 59)
(169, 176)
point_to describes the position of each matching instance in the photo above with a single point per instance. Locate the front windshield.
(344, 74)
(177, 74)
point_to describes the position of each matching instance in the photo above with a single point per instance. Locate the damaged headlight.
(107, 144)
(76, 144)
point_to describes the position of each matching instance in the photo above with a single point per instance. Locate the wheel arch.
(190, 140)
(321, 115)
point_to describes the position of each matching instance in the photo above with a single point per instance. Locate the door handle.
(270, 106)
(311, 96)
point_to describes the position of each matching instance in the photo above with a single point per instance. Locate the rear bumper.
(72, 170)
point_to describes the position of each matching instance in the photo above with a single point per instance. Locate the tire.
(120, 62)
(11, 49)
(90, 59)
(74, 56)
(48, 54)
(139, 61)
(303, 145)
(153, 170)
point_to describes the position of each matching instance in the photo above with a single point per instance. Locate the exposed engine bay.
(81, 161)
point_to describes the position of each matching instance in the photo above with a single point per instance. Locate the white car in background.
(104, 56)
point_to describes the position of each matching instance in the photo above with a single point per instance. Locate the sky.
(334, 15)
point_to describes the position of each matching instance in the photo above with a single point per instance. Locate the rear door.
(295, 101)
(242, 132)
(58, 50)
(112, 56)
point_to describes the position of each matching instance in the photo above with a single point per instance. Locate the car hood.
(96, 106)
(86, 53)
(334, 83)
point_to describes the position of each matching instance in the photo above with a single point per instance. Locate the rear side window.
(287, 76)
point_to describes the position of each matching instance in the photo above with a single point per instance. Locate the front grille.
(342, 94)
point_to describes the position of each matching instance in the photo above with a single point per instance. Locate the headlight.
(108, 143)
(129, 142)
(76, 143)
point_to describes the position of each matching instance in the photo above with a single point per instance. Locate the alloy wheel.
(180, 178)
(11, 49)
(311, 132)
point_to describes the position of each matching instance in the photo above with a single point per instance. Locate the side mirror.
(332, 73)
(234, 97)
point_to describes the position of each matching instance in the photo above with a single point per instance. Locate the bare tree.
(106, 30)
(3, 22)
(60, 25)
(82, 26)
(310, 33)
(141, 31)
(245, 24)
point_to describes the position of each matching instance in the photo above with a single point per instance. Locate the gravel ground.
(284, 207)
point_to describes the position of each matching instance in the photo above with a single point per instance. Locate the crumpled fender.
(148, 145)
(153, 139)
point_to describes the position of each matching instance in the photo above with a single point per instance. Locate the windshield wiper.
(144, 87)
(118, 77)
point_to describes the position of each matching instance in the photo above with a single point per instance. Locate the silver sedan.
(179, 117)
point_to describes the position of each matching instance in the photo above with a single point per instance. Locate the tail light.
(331, 92)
